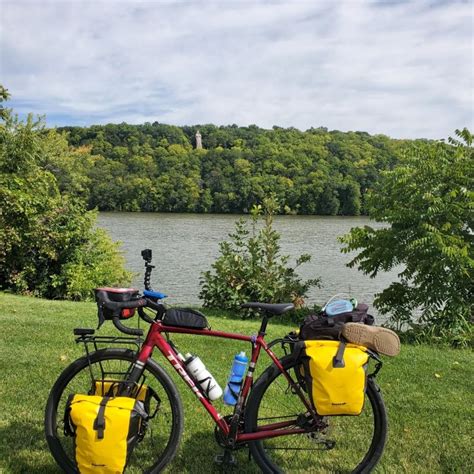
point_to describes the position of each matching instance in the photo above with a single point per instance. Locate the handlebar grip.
(125, 329)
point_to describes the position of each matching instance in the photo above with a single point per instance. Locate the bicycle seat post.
(263, 326)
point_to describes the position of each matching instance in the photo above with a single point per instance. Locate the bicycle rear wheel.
(163, 431)
(340, 444)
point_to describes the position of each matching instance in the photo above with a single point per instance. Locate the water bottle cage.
(208, 387)
(233, 392)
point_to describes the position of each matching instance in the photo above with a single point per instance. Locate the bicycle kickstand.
(226, 458)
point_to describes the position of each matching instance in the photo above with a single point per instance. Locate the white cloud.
(403, 69)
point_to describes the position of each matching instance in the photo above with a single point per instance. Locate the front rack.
(87, 337)
(94, 343)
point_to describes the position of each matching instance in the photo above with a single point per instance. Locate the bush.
(427, 203)
(250, 267)
(48, 244)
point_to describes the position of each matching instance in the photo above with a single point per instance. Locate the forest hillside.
(161, 168)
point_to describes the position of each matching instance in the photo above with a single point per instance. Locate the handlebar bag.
(106, 429)
(336, 376)
(117, 295)
(185, 318)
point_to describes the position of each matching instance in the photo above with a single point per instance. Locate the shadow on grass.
(24, 449)
(198, 453)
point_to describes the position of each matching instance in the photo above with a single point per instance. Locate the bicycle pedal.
(226, 458)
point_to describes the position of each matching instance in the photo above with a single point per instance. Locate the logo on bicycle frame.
(184, 374)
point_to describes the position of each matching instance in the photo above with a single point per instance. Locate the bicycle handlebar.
(103, 301)
(159, 308)
(125, 329)
(116, 306)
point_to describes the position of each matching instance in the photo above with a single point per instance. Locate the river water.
(184, 245)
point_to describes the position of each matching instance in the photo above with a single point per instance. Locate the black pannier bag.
(117, 295)
(185, 318)
(323, 327)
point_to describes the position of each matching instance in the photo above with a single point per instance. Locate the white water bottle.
(203, 377)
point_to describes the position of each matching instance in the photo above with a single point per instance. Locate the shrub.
(250, 267)
(48, 244)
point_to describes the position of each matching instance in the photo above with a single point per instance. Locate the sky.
(400, 68)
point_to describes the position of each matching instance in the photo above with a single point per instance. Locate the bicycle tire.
(329, 450)
(170, 415)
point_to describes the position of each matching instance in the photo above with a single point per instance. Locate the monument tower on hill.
(198, 141)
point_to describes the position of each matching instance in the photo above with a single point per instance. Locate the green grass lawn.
(428, 392)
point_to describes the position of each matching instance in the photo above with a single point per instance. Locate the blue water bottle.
(232, 390)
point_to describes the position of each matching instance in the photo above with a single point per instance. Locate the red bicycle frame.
(155, 339)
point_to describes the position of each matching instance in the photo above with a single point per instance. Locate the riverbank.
(427, 390)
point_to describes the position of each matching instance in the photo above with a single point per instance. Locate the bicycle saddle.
(274, 309)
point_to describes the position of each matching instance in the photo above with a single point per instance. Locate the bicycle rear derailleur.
(319, 429)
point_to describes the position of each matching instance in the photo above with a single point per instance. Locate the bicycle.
(273, 416)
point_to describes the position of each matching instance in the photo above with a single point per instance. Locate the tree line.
(156, 167)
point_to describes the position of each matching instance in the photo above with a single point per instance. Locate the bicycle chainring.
(222, 439)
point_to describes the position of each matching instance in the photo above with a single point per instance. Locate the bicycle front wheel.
(163, 431)
(339, 444)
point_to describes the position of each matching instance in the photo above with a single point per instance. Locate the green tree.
(70, 166)
(427, 204)
(48, 244)
(349, 197)
(251, 268)
(4, 95)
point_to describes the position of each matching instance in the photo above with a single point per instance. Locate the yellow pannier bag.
(106, 430)
(336, 376)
